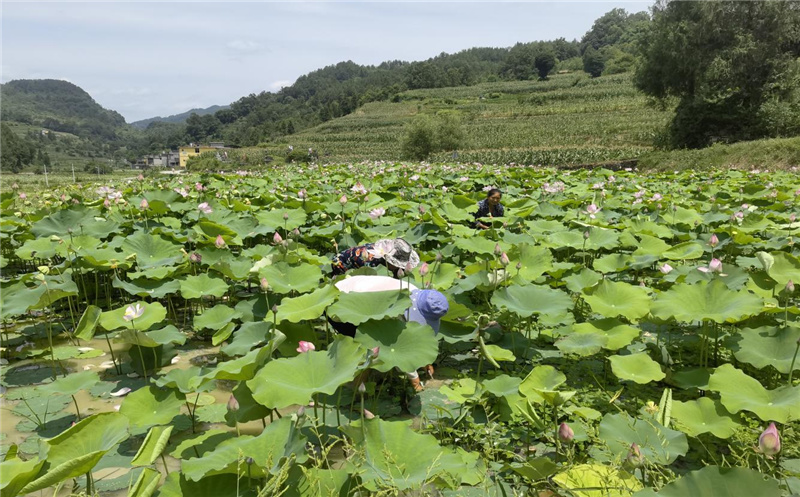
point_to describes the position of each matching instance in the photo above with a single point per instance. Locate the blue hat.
(428, 307)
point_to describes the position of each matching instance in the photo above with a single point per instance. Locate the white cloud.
(277, 85)
(247, 46)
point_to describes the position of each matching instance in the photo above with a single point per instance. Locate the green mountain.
(177, 118)
(58, 106)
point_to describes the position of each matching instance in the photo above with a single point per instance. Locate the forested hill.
(60, 106)
(177, 118)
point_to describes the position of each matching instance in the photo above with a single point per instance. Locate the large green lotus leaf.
(176, 485)
(16, 473)
(152, 446)
(78, 449)
(54, 290)
(146, 484)
(767, 346)
(152, 338)
(617, 333)
(203, 285)
(640, 226)
(703, 415)
(636, 367)
(682, 215)
(148, 288)
(151, 251)
(41, 248)
(684, 251)
(153, 313)
(597, 480)
(274, 219)
(659, 445)
(540, 380)
(308, 306)
(288, 381)
(314, 482)
(284, 278)
(702, 301)
(612, 263)
(17, 298)
(740, 392)
(152, 406)
(527, 300)
(535, 260)
(88, 323)
(70, 384)
(406, 346)
(600, 239)
(248, 336)
(103, 258)
(242, 368)
(582, 344)
(216, 317)
(185, 381)
(75, 220)
(212, 230)
(443, 275)
(650, 245)
(715, 481)
(280, 439)
(616, 298)
(360, 307)
(395, 453)
(784, 267)
(477, 245)
(581, 281)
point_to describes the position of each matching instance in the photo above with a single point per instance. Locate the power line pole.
(73, 172)
(46, 182)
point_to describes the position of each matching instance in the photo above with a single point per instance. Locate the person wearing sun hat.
(396, 254)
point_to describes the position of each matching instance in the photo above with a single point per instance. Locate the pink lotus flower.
(592, 210)
(144, 204)
(377, 212)
(305, 347)
(140, 177)
(769, 442)
(195, 257)
(657, 197)
(233, 404)
(22, 196)
(665, 269)
(715, 266)
(199, 187)
(713, 241)
(565, 433)
(277, 238)
(219, 242)
(204, 208)
(106, 203)
(302, 194)
(423, 269)
(504, 259)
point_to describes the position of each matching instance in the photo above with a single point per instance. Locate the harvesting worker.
(427, 307)
(489, 207)
(395, 254)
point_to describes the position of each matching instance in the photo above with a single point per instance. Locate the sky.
(145, 59)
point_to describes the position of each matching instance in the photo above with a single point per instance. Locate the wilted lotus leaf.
(615, 298)
(636, 367)
(203, 285)
(527, 300)
(658, 444)
(284, 278)
(308, 306)
(591, 480)
(288, 381)
(740, 392)
(406, 346)
(713, 480)
(703, 415)
(705, 301)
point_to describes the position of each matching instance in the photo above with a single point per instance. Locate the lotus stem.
(77, 411)
(141, 355)
(794, 358)
(117, 367)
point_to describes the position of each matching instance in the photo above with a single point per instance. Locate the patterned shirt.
(354, 258)
(484, 211)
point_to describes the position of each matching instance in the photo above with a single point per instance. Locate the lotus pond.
(618, 333)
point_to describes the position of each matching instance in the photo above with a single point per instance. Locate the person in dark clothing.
(396, 254)
(489, 207)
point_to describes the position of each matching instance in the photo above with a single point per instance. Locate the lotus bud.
(285, 216)
(296, 232)
(409, 267)
(519, 266)
(497, 249)
(144, 205)
(220, 242)
(195, 257)
(438, 257)
(264, 284)
(423, 269)
(233, 404)
(305, 346)
(504, 259)
(586, 235)
(565, 433)
(769, 442)
(713, 241)
(368, 415)
(635, 457)
(301, 412)
(362, 389)
(106, 203)
(400, 273)
(277, 238)
(275, 309)
(250, 461)
(715, 266)
(285, 244)
(665, 269)
(343, 199)
(375, 351)
(140, 177)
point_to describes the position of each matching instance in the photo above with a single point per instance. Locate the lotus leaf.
(636, 367)
(582, 344)
(540, 380)
(242, 368)
(784, 267)
(684, 251)
(615, 298)
(406, 346)
(284, 278)
(153, 313)
(151, 251)
(16, 473)
(703, 301)
(703, 415)
(658, 444)
(203, 285)
(713, 480)
(250, 335)
(527, 300)
(617, 333)
(146, 484)
(88, 323)
(216, 317)
(176, 485)
(597, 480)
(359, 307)
(148, 288)
(581, 281)
(70, 384)
(740, 392)
(315, 482)
(151, 406)
(309, 306)
(153, 445)
(767, 346)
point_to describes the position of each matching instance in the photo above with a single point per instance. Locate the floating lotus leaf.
(703, 415)
(203, 285)
(704, 301)
(582, 344)
(784, 267)
(476, 245)
(70, 384)
(617, 333)
(360, 307)
(658, 444)
(767, 346)
(713, 480)
(636, 367)
(581, 281)
(527, 300)
(151, 250)
(284, 382)
(406, 346)
(280, 439)
(596, 480)
(612, 263)
(88, 323)
(284, 278)
(393, 452)
(740, 392)
(216, 317)
(650, 245)
(152, 446)
(684, 251)
(153, 313)
(152, 406)
(615, 298)
(78, 449)
(148, 288)
(308, 306)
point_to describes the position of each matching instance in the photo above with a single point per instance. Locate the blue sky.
(144, 59)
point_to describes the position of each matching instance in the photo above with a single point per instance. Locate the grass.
(776, 153)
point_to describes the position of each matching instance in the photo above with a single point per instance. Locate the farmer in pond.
(489, 207)
(396, 254)
(427, 307)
